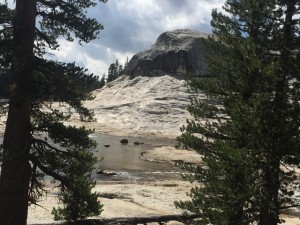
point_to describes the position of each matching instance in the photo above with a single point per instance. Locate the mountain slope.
(144, 106)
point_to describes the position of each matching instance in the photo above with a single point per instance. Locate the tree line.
(90, 81)
(115, 70)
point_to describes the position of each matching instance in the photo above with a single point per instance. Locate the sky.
(131, 26)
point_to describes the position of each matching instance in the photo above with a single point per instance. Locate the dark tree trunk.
(15, 172)
(269, 214)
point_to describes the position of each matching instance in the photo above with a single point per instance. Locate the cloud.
(131, 26)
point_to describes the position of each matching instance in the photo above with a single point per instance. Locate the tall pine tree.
(36, 142)
(247, 126)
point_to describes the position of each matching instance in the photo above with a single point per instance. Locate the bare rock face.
(178, 52)
(142, 106)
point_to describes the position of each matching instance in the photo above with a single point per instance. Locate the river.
(124, 159)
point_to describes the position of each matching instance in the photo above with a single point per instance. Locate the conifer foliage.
(247, 127)
(36, 141)
(115, 70)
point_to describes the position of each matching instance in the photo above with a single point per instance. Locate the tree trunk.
(15, 172)
(270, 213)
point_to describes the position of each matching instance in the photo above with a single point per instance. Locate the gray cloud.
(133, 25)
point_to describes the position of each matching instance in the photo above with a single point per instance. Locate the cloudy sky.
(131, 26)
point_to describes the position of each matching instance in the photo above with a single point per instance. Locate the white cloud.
(72, 52)
(139, 8)
(191, 17)
(98, 67)
(11, 3)
(65, 50)
(117, 55)
(132, 26)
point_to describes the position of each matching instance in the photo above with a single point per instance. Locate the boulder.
(124, 141)
(106, 172)
(178, 52)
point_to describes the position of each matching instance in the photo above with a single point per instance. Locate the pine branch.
(48, 171)
(43, 37)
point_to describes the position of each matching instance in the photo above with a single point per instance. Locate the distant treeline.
(91, 82)
(115, 70)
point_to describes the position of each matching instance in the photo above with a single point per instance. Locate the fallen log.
(186, 219)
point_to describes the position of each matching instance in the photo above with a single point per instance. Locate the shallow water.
(126, 156)
(124, 159)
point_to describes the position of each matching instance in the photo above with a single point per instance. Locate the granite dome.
(178, 52)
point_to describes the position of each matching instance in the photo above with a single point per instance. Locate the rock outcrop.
(178, 52)
(153, 100)
(142, 106)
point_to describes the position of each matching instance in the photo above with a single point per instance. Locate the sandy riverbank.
(124, 200)
(132, 198)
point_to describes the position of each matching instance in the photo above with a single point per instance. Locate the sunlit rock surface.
(152, 99)
(143, 106)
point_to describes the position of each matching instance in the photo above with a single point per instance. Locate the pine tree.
(112, 71)
(115, 70)
(102, 81)
(120, 70)
(36, 141)
(126, 63)
(247, 126)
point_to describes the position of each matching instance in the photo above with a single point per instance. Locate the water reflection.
(124, 159)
